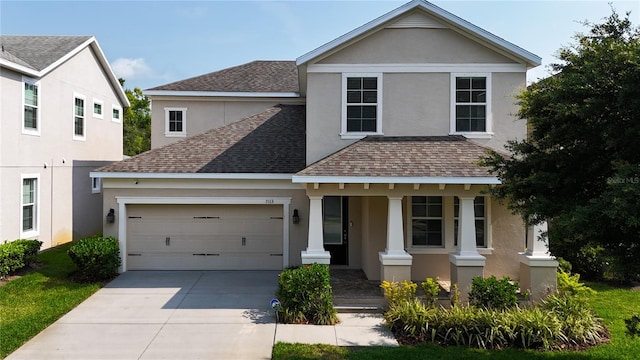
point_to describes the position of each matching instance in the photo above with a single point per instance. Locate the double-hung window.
(31, 104)
(29, 205)
(480, 218)
(175, 122)
(427, 221)
(362, 108)
(79, 117)
(471, 104)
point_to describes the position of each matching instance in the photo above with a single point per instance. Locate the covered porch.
(417, 208)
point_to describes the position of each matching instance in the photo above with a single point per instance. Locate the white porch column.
(537, 267)
(315, 252)
(466, 262)
(395, 261)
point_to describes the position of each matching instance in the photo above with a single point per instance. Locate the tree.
(579, 168)
(137, 122)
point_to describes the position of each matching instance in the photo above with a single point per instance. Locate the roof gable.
(437, 18)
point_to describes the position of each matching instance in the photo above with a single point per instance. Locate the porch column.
(395, 263)
(315, 252)
(537, 267)
(466, 262)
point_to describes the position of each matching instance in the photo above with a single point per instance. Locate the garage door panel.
(201, 237)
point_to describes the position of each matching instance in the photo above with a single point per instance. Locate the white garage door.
(204, 237)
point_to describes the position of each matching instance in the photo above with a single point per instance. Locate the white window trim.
(448, 219)
(93, 108)
(488, 133)
(350, 135)
(82, 137)
(96, 185)
(168, 133)
(30, 131)
(119, 108)
(36, 231)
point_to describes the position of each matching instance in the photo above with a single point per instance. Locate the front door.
(336, 229)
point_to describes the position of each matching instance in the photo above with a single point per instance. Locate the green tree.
(579, 168)
(137, 122)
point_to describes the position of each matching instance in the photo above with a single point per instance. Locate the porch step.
(359, 308)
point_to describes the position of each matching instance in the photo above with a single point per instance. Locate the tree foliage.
(137, 122)
(579, 168)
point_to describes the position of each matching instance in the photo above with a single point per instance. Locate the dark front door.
(336, 228)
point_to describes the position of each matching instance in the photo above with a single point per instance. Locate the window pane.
(79, 126)
(462, 96)
(463, 111)
(479, 83)
(369, 112)
(463, 83)
(27, 217)
(418, 210)
(480, 233)
(79, 107)
(478, 96)
(477, 125)
(370, 83)
(354, 96)
(97, 109)
(368, 125)
(30, 94)
(354, 83)
(28, 191)
(370, 97)
(478, 206)
(30, 117)
(116, 114)
(434, 232)
(419, 232)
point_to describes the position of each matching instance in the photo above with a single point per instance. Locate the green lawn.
(611, 304)
(36, 300)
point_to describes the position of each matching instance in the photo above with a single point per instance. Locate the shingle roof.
(271, 142)
(256, 76)
(38, 52)
(410, 156)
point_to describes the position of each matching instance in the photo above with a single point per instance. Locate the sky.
(151, 43)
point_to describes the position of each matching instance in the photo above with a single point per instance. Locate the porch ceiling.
(417, 160)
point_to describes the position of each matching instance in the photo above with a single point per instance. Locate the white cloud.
(131, 68)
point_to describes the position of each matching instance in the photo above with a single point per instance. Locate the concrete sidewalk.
(188, 315)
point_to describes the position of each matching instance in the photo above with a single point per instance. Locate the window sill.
(29, 234)
(358, 135)
(96, 116)
(175, 134)
(30, 132)
(443, 251)
(474, 135)
(80, 138)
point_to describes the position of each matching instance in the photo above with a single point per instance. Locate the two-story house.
(60, 118)
(363, 153)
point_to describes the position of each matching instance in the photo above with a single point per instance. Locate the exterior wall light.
(296, 216)
(111, 216)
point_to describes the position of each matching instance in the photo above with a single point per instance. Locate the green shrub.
(633, 325)
(579, 325)
(455, 295)
(533, 328)
(305, 296)
(431, 289)
(409, 317)
(570, 285)
(491, 293)
(395, 292)
(17, 254)
(96, 257)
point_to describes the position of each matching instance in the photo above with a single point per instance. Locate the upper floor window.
(116, 113)
(96, 185)
(427, 221)
(79, 117)
(29, 206)
(97, 109)
(31, 104)
(362, 104)
(480, 217)
(471, 104)
(175, 121)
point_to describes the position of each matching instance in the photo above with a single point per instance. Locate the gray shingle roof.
(38, 52)
(256, 76)
(407, 156)
(270, 142)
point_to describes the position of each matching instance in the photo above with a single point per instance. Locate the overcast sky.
(150, 43)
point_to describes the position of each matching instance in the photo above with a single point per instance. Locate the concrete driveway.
(166, 315)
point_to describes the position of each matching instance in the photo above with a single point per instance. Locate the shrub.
(96, 257)
(633, 325)
(579, 324)
(570, 285)
(431, 289)
(305, 296)
(455, 295)
(17, 254)
(394, 291)
(409, 317)
(491, 293)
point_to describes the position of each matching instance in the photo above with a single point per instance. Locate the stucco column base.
(320, 257)
(538, 275)
(395, 266)
(463, 270)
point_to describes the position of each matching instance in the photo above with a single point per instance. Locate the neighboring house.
(61, 117)
(362, 153)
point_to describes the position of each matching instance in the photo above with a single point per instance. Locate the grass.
(611, 304)
(36, 300)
